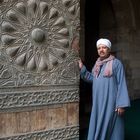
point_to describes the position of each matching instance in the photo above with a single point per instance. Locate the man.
(110, 95)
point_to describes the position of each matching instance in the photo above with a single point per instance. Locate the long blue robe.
(108, 94)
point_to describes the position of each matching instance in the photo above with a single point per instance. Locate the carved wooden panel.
(38, 66)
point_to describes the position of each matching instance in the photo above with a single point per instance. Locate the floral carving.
(35, 35)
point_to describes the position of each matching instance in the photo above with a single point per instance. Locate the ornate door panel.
(39, 76)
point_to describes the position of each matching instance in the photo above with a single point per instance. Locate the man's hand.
(80, 63)
(120, 111)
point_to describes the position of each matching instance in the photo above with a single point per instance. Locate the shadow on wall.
(132, 123)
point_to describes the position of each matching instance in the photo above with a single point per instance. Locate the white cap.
(103, 41)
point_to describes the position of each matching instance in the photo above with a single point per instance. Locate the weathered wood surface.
(39, 76)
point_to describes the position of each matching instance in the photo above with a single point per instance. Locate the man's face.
(103, 51)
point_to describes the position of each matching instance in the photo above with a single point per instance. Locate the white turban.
(103, 41)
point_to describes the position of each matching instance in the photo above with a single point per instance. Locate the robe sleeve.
(122, 99)
(86, 75)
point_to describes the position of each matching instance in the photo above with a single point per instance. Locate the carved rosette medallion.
(35, 39)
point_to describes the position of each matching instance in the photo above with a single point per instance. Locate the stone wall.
(120, 23)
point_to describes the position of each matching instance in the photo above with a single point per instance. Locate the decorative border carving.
(33, 98)
(57, 134)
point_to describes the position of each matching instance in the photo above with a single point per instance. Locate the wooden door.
(39, 77)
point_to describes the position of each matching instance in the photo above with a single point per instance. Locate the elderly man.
(110, 95)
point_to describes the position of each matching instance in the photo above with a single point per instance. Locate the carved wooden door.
(38, 74)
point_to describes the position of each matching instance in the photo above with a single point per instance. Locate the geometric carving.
(71, 132)
(38, 64)
(21, 100)
(67, 73)
(36, 39)
(32, 31)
